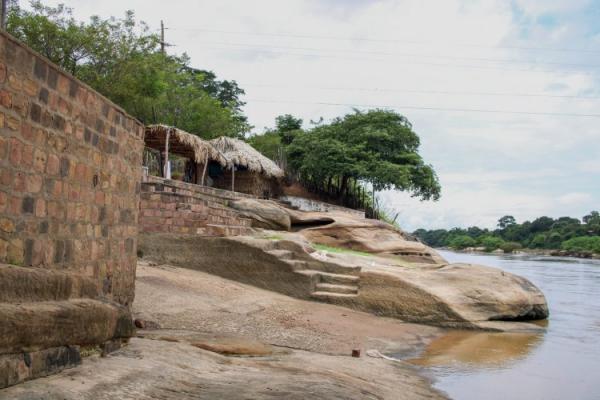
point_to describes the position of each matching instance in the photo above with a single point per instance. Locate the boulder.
(264, 214)
(338, 229)
(442, 294)
(479, 293)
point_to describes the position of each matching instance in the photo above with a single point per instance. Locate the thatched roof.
(183, 144)
(242, 154)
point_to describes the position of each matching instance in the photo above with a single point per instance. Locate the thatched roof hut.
(176, 141)
(241, 154)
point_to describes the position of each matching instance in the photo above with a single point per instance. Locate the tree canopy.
(376, 146)
(544, 232)
(121, 58)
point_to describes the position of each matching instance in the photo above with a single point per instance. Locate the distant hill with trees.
(571, 235)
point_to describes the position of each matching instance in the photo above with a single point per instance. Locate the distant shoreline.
(538, 252)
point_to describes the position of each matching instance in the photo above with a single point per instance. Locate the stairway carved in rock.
(328, 281)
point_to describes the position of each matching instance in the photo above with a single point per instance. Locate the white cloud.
(574, 198)
(592, 166)
(538, 7)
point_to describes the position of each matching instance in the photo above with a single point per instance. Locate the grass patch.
(341, 250)
(274, 237)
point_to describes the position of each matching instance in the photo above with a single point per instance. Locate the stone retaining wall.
(172, 208)
(70, 172)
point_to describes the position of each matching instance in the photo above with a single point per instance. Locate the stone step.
(333, 288)
(47, 324)
(324, 267)
(281, 254)
(23, 284)
(328, 296)
(326, 277)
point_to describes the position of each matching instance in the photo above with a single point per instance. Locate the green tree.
(269, 144)
(376, 146)
(541, 224)
(506, 221)
(288, 127)
(589, 244)
(491, 243)
(273, 142)
(592, 217)
(538, 242)
(462, 242)
(510, 247)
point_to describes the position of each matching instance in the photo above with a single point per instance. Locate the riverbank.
(533, 252)
(290, 348)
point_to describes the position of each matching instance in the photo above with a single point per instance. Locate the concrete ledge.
(22, 284)
(35, 326)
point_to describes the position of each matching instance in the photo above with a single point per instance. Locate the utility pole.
(4, 15)
(162, 36)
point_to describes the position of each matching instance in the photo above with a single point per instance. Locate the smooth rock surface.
(155, 369)
(361, 234)
(263, 213)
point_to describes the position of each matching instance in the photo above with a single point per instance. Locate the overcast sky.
(538, 59)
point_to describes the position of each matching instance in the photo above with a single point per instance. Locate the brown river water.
(561, 363)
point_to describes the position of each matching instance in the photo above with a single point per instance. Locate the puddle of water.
(561, 363)
(478, 349)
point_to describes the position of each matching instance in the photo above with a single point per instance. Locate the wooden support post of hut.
(204, 169)
(233, 178)
(167, 165)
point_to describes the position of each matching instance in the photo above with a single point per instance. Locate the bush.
(491, 243)
(582, 244)
(510, 247)
(462, 242)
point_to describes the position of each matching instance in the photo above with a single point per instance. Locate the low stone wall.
(191, 188)
(166, 207)
(305, 204)
(70, 168)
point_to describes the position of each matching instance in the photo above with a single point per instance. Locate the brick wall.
(70, 171)
(168, 206)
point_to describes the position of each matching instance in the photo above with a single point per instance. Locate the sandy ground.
(293, 349)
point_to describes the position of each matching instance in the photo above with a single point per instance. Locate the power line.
(412, 62)
(383, 53)
(476, 110)
(389, 40)
(442, 92)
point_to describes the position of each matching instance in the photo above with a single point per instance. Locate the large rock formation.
(455, 295)
(338, 229)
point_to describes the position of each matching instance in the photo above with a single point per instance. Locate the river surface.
(561, 363)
